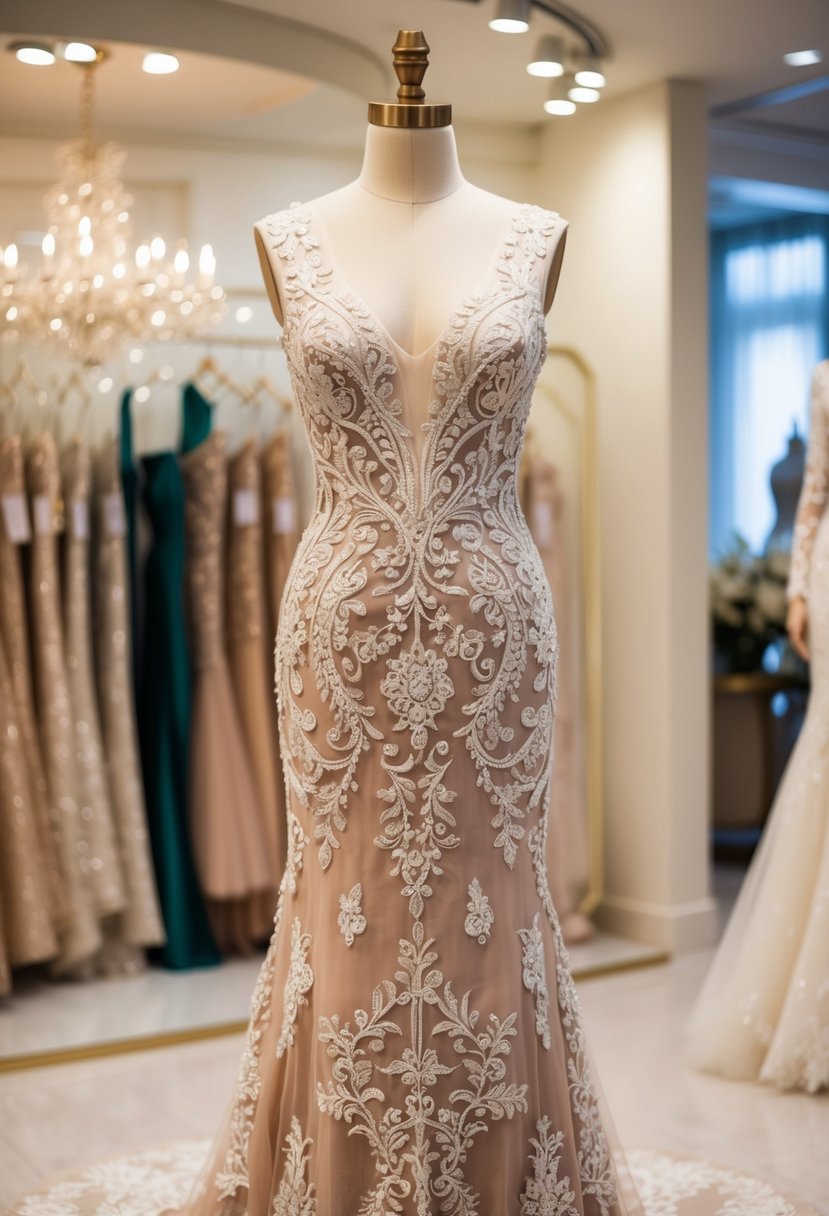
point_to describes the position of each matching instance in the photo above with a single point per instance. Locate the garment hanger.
(22, 377)
(74, 384)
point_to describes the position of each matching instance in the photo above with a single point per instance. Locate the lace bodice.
(813, 496)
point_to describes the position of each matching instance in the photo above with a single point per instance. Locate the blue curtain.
(769, 327)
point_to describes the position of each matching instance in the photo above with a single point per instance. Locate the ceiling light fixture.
(803, 59)
(583, 95)
(549, 57)
(558, 103)
(91, 294)
(38, 54)
(589, 72)
(159, 63)
(80, 52)
(511, 17)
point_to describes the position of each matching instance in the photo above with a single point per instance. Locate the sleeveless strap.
(525, 251)
(300, 267)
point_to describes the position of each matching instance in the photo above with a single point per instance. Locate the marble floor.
(61, 1117)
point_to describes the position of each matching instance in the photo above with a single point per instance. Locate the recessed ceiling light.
(803, 59)
(80, 52)
(159, 63)
(38, 54)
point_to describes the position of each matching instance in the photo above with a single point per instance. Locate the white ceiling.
(734, 46)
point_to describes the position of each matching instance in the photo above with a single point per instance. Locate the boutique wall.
(630, 176)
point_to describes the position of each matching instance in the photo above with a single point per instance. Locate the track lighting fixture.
(589, 72)
(511, 17)
(558, 103)
(548, 59)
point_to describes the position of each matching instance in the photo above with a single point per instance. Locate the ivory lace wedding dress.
(415, 1044)
(763, 1012)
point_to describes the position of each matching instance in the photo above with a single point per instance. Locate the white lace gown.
(763, 1012)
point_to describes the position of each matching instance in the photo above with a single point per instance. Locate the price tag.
(245, 508)
(16, 519)
(284, 515)
(541, 525)
(79, 515)
(44, 515)
(115, 519)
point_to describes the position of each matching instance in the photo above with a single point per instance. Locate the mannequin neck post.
(410, 165)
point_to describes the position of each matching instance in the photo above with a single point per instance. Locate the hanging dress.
(164, 718)
(140, 922)
(246, 626)
(28, 932)
(226, 825)
(106, 878)
(80, 938)
(15, 535)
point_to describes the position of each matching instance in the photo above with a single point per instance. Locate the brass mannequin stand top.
(411, 110)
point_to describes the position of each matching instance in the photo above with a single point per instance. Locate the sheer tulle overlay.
(415, 1044)
(763, 1012)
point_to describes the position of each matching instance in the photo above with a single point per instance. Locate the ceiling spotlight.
(589, 73)
(558, 103)
(80, 52)
(548, 58)
(582, 94)
(803, 59)
(158, 63)
(38, 54)
(511, 17)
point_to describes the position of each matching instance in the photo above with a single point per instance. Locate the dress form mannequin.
(411, 235)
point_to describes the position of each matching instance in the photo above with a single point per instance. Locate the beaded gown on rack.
(415, 1043)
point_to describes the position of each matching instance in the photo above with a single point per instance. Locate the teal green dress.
(164, 717)
(129, 485)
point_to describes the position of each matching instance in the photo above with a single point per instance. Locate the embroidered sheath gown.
(763, 1012)
(415, 1044)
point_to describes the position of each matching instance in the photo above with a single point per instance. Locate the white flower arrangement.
(748, 594)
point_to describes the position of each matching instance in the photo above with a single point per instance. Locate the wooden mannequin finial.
(411, 59)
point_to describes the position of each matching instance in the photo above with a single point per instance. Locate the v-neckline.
(484, 288)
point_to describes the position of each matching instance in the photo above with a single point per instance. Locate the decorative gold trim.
(119, 1047)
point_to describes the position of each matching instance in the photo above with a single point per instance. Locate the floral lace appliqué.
(535, 976)
(478, 923)
(351, 920)
(299, 981)
(295, 1196)
(417, 689)
(545, 1194)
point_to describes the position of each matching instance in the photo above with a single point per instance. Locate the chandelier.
(94, 293)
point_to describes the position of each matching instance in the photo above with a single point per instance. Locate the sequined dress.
(415, 1044)
(763, 1012)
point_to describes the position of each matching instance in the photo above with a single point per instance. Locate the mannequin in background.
(763, 1013)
